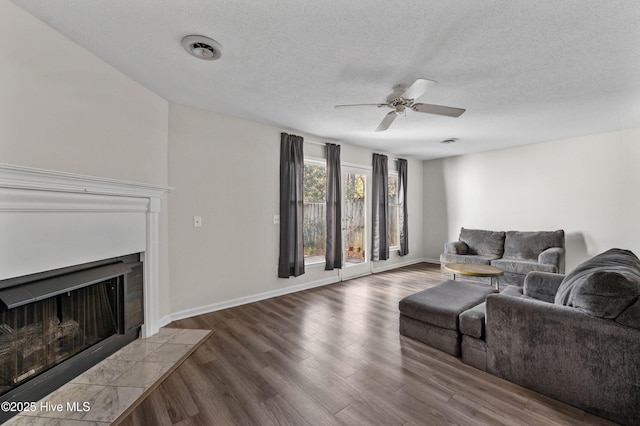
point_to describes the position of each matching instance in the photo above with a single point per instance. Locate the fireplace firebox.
(55, 325)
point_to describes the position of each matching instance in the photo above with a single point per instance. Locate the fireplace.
(70, 242)
(56, 324)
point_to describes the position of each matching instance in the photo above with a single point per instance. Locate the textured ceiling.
(525, 71)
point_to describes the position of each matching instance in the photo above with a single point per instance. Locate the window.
(315, 204)
(393, 224)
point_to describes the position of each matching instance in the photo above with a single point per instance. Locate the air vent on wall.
(202, 47)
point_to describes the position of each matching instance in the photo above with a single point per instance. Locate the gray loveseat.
(573, 338)
(516, 253)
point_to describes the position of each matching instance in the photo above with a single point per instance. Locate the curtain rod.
(394, 158)
(325, 143)
(316, 143)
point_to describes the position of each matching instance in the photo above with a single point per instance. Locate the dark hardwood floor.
(333, 355)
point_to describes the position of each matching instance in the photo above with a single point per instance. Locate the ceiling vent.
(202, 47)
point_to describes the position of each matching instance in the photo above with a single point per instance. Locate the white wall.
(587, 186)
(64, 109)
(227, 171)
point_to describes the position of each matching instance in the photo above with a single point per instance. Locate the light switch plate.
(197, 221)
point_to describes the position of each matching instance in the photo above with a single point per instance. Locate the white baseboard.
(384, 267)
(187, 313)
(164, 321)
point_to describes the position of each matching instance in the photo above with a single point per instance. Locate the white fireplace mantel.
(51, 220)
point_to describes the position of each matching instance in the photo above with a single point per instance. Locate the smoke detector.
(202, 47)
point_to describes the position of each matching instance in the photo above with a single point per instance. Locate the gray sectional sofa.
(575, 338)
(515, 252)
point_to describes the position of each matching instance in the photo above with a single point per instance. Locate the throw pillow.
(603, 286)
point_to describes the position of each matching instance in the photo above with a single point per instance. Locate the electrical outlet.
(276, 219)
(197, 221)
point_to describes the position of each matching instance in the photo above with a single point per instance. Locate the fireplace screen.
(39, 335)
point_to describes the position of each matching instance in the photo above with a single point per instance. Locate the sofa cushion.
(472, 321)
(465, 258)
(522, 267)
(542, 285)
(456, 247)
(483, 243)
(630, 316)
(603, 286)
(529, 245)
(513, 291)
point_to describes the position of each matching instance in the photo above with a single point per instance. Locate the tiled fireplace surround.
(51, 220)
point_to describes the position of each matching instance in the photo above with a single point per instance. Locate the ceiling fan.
(403, 97)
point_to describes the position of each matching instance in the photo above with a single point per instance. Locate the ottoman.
(431, 316)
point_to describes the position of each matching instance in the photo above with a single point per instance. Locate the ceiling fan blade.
(386, 121)
(357, 105)
(418, 88)
(438, 110)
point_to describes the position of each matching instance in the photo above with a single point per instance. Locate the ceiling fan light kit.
(404, 97)
(202, 47)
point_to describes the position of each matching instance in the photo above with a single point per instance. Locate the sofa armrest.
(582, 360)
(456, 247)
(553, 256)
(542, 285)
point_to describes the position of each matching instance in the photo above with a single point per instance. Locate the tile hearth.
(101, 394)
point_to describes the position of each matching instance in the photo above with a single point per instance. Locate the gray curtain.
(403, 216)
(333, 257)
(291, 262)
(379, 202)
